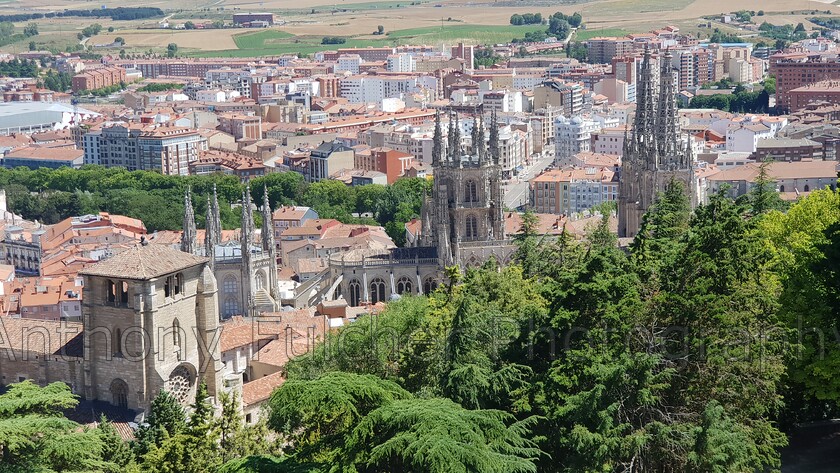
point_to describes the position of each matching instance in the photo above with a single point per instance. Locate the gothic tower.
(246, 236)
(654, 153)
(212, 228)
(466, 205)
(268, 246)
(188, 237)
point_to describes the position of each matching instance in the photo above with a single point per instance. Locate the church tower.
(269, 247)
(466, 205)
(655, 152)
(188, 237)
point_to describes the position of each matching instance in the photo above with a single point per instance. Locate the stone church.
(655, 153)
(462, 224)
(246, 271)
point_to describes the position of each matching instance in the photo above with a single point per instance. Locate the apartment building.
(97, 78)
(168, 149)
(571, 136)
(567, 191)
(602, 50)
(796, 70)
(329, 158)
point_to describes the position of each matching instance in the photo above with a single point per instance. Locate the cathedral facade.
(246, 271)
(655, 153)
(462, 224)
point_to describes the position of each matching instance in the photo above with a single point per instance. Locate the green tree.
(30, 30)
(171, 50)
(35, 435)
(438, 435)
(166, 419)
(315, 415)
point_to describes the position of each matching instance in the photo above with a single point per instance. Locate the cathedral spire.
(267, 238)
(216, 219)
(644, 136)
(450, 138)
(209, 239)
(188, 236)
(245, 240)
(667, 128)
(437, 141)
(494, 139)
(456, 142)
(474, 138)
(482, 146)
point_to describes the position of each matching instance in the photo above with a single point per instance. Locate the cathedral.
(465, 209)
(655, 153)
(247, 272)
(462, 224)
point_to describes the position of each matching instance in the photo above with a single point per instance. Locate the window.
(179, 283)
(230, 285)
(470, 191)
(429, 286)
(230, 307)
(176, 333)
(124, 293)
(377, 291)
(119, 393)
(260, 280)
(117, 343)
(355, 289)
(807, 188)
(404, 285)
(111, 291)
(781, 188)
(471, 227)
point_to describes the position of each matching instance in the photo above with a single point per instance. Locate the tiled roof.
(260, 389)
(144, 262)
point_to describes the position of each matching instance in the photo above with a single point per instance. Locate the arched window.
(167, 287)
(781, 188)
(119, 393)
(230, 307)
(377, 291)
(260, 278)
(471, 191)
(429, 286)
(807, 188)
(111, 291)
(116, 343)
(179, 283)
(230, 285)
(123, 292)
(355, 289)
(404, 285)
(471, 227)
(176, 333)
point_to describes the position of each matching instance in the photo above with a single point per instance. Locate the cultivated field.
(429, 22)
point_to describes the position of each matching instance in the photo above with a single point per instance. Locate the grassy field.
(277, 42)
(583, 35)
(260, 40)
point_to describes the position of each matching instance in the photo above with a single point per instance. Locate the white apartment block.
(348, 63)
(402, 62)
(501, 101)
(572, 136)
(365, 89)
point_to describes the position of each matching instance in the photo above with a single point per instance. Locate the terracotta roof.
(260, 389)
(144, 262)
(64, 338)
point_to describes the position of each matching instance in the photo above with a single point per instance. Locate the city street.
(516, 190)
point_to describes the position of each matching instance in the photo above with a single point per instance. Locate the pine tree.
(114, 448)
(166, 419)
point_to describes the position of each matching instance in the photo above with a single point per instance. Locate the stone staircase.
(264, 301)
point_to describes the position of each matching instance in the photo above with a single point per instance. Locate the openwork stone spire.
(437, 141)
(667, 129)
(268, 244)
(495, 153)
(246, 234)
(188, 237)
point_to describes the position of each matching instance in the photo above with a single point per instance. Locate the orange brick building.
(92, 79)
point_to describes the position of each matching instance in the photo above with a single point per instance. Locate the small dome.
(577, 120)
